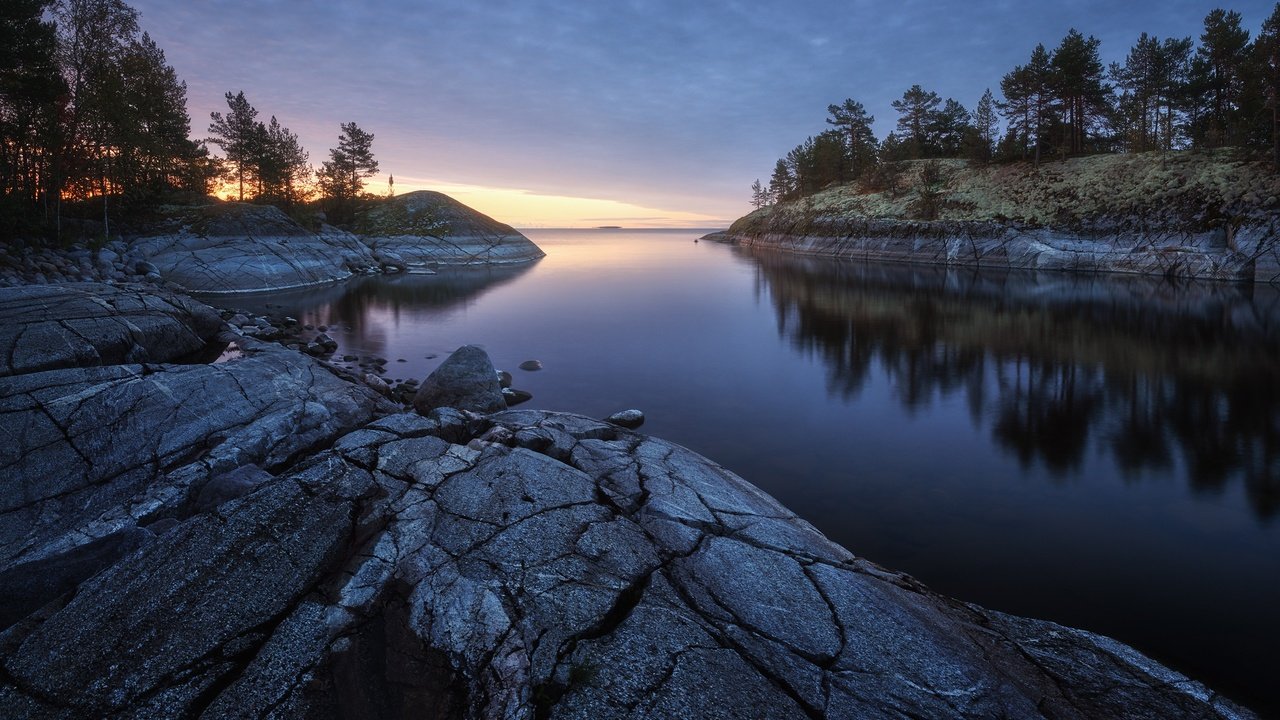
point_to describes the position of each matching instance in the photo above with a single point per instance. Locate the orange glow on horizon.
(528, 209)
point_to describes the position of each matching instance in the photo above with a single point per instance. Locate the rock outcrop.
(261, 538)
(45, 327)
(534, 564)
(222, 248)
(422, 230)
(1179, 215)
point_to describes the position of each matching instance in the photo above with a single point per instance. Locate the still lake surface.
(1103, 452)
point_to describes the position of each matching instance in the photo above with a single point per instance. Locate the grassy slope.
(1191, 190)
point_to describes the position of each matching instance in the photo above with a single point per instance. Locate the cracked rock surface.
(539, 565)
(263, 538)
(237, 247)
(45, 327)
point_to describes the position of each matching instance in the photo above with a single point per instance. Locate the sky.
(640, 113)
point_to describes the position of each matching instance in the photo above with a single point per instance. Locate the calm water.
(1104, 453)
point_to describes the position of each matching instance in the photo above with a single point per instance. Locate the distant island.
(1167, 163)
(608, 227)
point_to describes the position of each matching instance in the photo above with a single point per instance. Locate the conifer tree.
(852, 119)
(1153, 79)
(30, 85)
(915, 113)
(986, 125)
(947, 129)
(1028, 92)
(1083, 94)
(283, 166)
(759, 196)
(342, 176)
(1219, 73)
(781, 183)
(240, 136)
(1267, 50)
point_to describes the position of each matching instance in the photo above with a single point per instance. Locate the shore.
(1177, 215)
(292, 539)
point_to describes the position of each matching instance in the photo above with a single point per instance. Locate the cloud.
(664, 103)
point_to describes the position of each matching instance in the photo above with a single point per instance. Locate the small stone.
(630, 419)
(504, 378)
(515, 397)
(531, 365)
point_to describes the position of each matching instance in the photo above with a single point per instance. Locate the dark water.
(1102, 452)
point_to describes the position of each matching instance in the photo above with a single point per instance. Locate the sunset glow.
(525, 208)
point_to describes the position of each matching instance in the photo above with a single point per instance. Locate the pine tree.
(1078, 79)
(1219, 77)
(986, 125)
(1267, 51)
(30, 85)
(781, 183)
(284, 167)
(342, 176)
(148, 126)
(947, 129)
(93, 37)
(915, 112)
(240, 136)
(852, 119)
(759, 196)
(1028, 106)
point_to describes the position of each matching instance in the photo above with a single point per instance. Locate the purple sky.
(673, 106)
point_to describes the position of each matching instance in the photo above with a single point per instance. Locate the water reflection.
(1152, 374)
(366, 314)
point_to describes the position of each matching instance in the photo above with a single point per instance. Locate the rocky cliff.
(1182, 214)
(261, 537)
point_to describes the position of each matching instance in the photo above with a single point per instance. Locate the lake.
(1103, 452)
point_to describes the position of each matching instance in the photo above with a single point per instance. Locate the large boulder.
(532, 564)
(220, 248)
(428, 229)
(466, 380)
(45, 327)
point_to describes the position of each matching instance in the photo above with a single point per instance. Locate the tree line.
(93, 119)
(1168, 94)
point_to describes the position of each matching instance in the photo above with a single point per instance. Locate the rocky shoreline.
(268, 536)
(214, 248)
(1175, 215)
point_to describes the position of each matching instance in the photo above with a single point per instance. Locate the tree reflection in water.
(1144, 370)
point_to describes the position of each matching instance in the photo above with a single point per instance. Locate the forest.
(1167, 94)
(94, 127)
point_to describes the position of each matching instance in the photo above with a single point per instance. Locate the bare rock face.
(570, 569)
(44, 327)
(95, 454)
(466, 380)
(224, 248)
(422, 230)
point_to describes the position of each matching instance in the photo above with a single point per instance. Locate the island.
(1182, 214)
